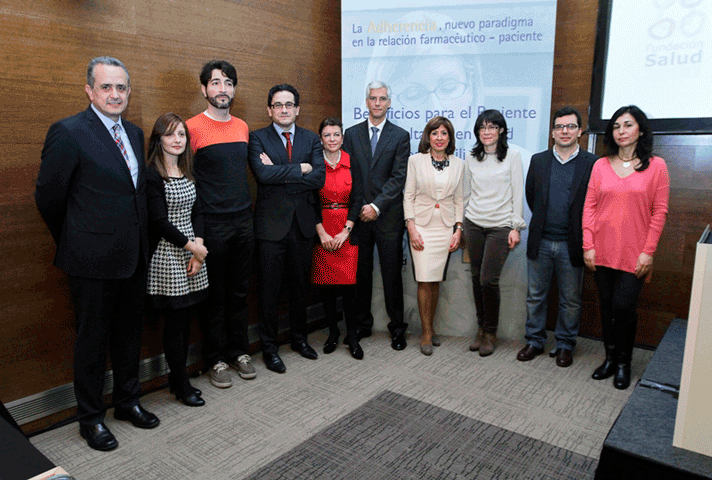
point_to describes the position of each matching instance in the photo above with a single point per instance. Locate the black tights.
(348, 297)
(176, 338)
(618, 292)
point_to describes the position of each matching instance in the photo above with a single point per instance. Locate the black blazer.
(382, 174)
(537, 193)
(86, 197)
(282, 190)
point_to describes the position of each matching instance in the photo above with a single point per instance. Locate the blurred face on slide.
(378, 104)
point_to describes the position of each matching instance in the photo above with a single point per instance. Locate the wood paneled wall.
(44, 48)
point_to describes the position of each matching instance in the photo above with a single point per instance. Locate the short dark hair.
(562, 112)
(224, 66)
(283, 87)
(166, 124)
(330, 122)
(109, 61)
(434, 124)
(494, 117)
(644, 148)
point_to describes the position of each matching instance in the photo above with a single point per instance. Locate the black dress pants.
(390, 254)
(109, 313)
(291, 255)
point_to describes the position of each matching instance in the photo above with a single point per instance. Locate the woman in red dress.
(336, 256)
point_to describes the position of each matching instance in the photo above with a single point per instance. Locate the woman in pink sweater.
(623, 217)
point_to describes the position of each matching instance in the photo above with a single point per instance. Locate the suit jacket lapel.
(136, 145)
(546, 177)
(101, 133)
(365, 145)
(424, 165)
(578, 176)
(279, 147)
(383, 138)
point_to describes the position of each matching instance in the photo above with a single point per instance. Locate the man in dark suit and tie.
(380, 150)
(288, 164)
(91, 194)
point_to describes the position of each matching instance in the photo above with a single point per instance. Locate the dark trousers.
(618, 292)
(291, 255)
(109, 313)
(488, 249)
(329, 294)
(390, 254)
(230, 240)
(176, 338)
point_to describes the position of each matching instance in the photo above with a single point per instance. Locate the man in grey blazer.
(380, 150)
(288, 164)
(91, 194)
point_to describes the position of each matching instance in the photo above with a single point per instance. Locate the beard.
(220, 103)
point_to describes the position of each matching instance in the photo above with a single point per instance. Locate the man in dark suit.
(288, 164)
(380, 150)
(556, 189)
(91, 194)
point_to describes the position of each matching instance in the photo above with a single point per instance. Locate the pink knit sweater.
(624, 217)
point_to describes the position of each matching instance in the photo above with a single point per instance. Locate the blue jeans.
(553, 257)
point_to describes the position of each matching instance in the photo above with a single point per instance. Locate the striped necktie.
(117, 138)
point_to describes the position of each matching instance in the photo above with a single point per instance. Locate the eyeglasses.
(418, 94)
(568, 126)
(489, 128)
(280, 106)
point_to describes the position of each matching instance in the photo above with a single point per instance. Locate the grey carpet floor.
(397, 438)
(244, 428)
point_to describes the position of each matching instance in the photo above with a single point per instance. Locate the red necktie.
(289, 145)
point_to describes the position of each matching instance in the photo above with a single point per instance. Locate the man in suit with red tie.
(91, 194)
(380, 150)
(288, 164)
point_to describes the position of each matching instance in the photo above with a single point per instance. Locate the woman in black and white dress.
(177, 278)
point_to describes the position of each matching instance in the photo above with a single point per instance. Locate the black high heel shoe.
(332, 341)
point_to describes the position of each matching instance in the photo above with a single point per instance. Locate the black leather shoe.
(529, 352)
(331, 342)
(191, 400)
(303, 349)
(198, 392)
(398, 342)
(606, 370)
(273, 362)
(98, 437)
(356, 350)
(138, 416)
(622, 378)
(564, 358)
